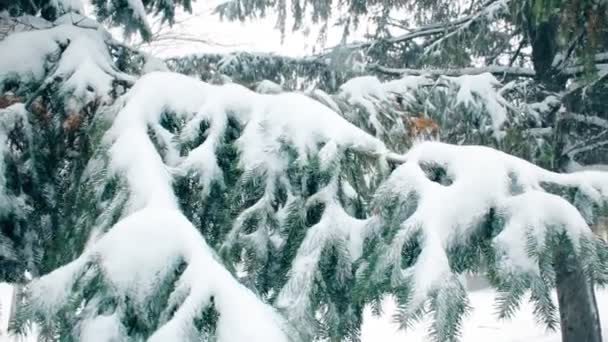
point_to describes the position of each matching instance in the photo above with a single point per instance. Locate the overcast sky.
(257, 35)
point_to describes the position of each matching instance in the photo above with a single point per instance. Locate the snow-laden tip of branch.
(134, 260)
(335, 228)
(77, 56)
(453, 191)
(484, 87)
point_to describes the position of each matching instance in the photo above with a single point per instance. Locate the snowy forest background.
(229, 196)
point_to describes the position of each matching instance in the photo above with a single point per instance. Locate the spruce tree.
(149, 205)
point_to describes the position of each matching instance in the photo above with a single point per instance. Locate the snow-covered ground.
(5, 297)
(480, 326)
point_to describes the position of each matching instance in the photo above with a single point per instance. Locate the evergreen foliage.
(159, 207)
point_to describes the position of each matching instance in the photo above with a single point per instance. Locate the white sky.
(257, 35)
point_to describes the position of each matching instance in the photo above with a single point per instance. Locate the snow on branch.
(378, 107)
(152, 259)
(389, 110)
(77, 56)
(161, 136)
(266, 126)
(452, 209)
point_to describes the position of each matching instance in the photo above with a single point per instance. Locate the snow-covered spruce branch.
(451, 209)
(154, 142)
(498, 70)
(280, 186)
(85, 76)
(586, 119)
(155, 267)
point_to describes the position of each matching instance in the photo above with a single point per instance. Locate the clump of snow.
(368, 92)
(529, 216)
(545, 106)
(325, 99)
(135, 256)
(474, 90)
(479, 179)
(84, 67)
(102, 328)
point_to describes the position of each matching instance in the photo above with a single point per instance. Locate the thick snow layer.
(481, 178)
(153, 217)
(85, 66)
(360, 88)
(269, 120)
(268, 87)
(163, 237)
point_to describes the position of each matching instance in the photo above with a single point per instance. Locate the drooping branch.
(587, 119)
(493, 69)
(445, 28)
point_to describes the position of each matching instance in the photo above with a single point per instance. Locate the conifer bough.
(182, 210)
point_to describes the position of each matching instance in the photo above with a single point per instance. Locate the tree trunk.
(579, 319)
(17, 288)
(576, 298)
